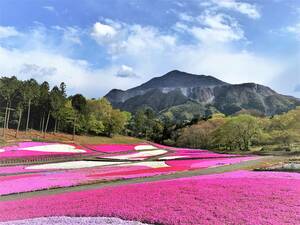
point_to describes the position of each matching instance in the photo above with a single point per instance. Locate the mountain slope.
(183, 92)
(171, 81)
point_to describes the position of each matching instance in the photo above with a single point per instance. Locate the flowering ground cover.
(64, 220)
(199, 154)
(39, 181)
(45, 180)
(113, 148)
(5, 170)
(239, 197)
(141, 155)
(205, 163)
(67, 174)
(117, 148)
(71, 165)
(25, 149)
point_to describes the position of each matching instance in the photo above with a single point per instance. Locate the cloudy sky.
(97, 45)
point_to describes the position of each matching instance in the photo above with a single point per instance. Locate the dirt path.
(247, 165)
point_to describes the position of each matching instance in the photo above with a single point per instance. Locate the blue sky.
(97, 45)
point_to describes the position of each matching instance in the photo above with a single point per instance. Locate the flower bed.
(141, 155)
(64, 220)
(195, 154)
(113, 148)
(38, 181)
(205, 163)
(231, 198)
(4, 170)
(82, 172)
(28, 149)
(116, 148)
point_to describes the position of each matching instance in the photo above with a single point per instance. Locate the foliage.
(104, 119)
(51, 110)
(241, 131)
(238, 132)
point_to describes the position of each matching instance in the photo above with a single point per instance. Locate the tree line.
(30, 105)
(242, 131)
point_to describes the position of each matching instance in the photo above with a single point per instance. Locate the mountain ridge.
(177, 88)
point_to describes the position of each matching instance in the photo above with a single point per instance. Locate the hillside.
(180, 90)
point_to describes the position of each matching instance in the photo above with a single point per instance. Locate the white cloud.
(151, 52)
(248, 9)
(136, 49)
(70, 34)
(294, 29)
(126, 72)
(55, 68)
(49, 8)
(133, 39)
(7, 31)
(213, 27)
(103, 33)
(185, 17)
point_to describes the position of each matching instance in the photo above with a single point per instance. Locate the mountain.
(186, 95)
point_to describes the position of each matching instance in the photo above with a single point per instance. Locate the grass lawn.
(34, 135)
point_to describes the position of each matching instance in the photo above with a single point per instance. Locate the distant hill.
(187, 95)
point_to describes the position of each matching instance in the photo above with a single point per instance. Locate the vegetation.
(242, 131)
(30, 105)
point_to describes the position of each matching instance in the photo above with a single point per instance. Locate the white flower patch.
(55, 148)
(172, 157)
(139, 155)
(144, 147)
(2, 150)
(64, 220)
(72, 165)
(151, 164)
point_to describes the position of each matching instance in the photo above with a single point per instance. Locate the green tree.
(31, 91)
(79, 103)
(8, 87)
(113, 120)
(57, 101)
(238, 132)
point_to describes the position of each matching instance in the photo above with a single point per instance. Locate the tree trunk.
(28, 115)
(19, 123)
(74, 128)
(4, 123)
(43, 122)
(8, 115)
(47, 124)
(55, 126)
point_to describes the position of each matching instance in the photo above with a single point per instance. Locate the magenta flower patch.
(231, 198)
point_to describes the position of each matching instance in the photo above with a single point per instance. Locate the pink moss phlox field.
(231, 198)
(17, 151)
(45, 180)
(64, 178)
(39, 181)
(5, 170)
(199, 154)
(204, 163)
(12, 169)
(113, 148)
(192, 153)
